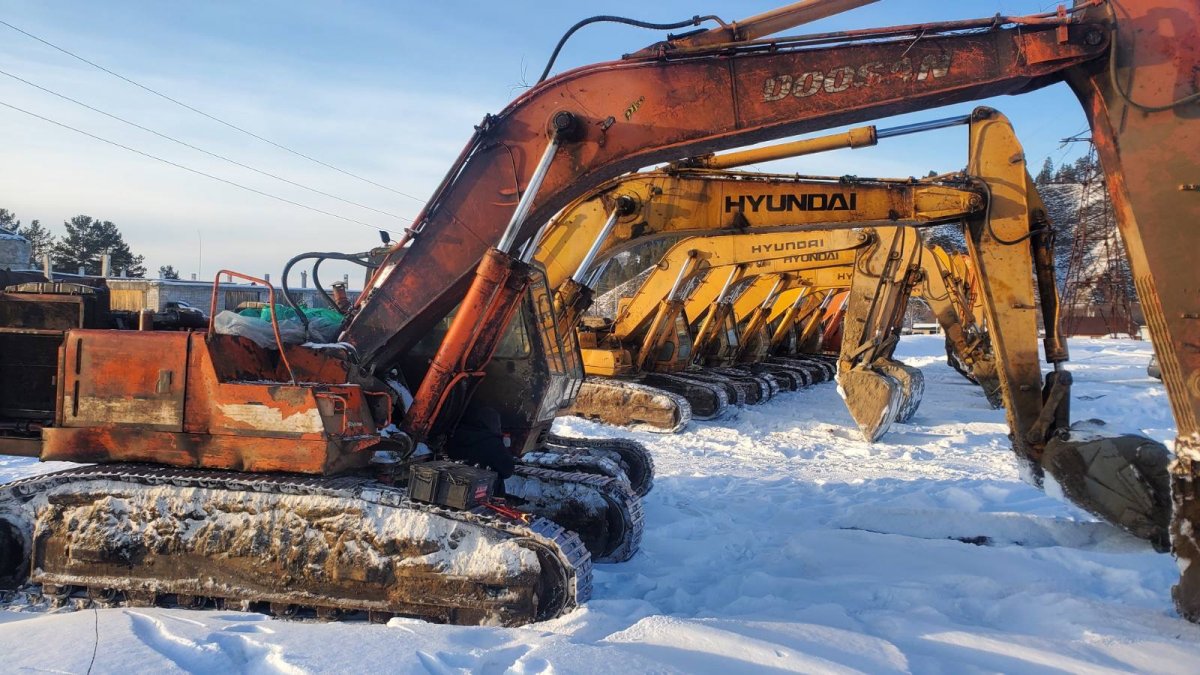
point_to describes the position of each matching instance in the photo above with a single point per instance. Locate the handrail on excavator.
(212, 312)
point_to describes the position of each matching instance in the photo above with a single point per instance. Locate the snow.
(776, 542)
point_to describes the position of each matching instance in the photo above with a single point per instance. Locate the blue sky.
(385, 90)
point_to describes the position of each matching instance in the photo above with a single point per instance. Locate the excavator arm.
(745, 313)
(876, 388)
(1122, 478)
(948, 297)
(762, 253)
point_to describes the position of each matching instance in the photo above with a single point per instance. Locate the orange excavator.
(228, 470)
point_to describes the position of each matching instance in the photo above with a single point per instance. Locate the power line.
(211, 117)
(191, 170)
(199, 149)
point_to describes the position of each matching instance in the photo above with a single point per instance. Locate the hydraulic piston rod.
(858, 137)
(508, 239)
(590, 256)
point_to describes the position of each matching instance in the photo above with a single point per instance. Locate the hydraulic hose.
(605, 18)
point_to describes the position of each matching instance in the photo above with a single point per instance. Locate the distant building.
(130, 294)
(14, 251)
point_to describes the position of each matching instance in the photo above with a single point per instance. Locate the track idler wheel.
(912, 386)
(1123, 479)
(872, 398)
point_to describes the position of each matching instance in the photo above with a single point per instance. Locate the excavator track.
(605, 513)
(789, 379)
(631, 404)
(768, 386)
(634, 458)
(821, 368)
(740, 391)
(708, 400)
(291, 544)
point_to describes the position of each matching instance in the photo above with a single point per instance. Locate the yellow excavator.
(732, 300)
(749, 324)
(1008, 237)
(649, 332)
(687, 200)
(700, 196)
(878, 389)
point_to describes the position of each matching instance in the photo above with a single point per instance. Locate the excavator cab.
(534, 373)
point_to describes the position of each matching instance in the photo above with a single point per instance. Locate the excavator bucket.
(872, 398)
(1121, 478)
(878, 389)
(912, 386)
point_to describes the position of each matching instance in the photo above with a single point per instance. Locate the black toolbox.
(465, 487)
(457, 486)
(423, 481)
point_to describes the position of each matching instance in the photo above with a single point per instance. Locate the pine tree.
(8, 220)
(168, 272)
(1046, 175)
(1068, 173)
(41, 241)
(87, 239)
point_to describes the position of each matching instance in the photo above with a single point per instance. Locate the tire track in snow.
(227, 650)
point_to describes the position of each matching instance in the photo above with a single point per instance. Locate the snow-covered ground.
(776, 542)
